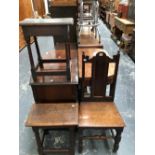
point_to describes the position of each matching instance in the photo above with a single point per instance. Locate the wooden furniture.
(124, 25)
(46, 117)
(56, 88)
(63, 9)
(57, 27)
(90, 52)
(97, 109)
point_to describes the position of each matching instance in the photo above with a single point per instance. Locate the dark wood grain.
(51, 88)
(94, 111)
(99, 114)
(48, 115)
(59, 28)
(99, 78)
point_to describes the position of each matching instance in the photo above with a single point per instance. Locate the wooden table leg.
(117, 139)
(38, 140)
(80, 132)
(72, 140)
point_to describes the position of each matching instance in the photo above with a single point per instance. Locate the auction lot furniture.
(57, 88)
(72, 88)
(97, 109)
(57, 27)
(44, 117)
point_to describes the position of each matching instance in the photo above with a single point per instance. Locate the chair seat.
(53, 115)
(99, 114)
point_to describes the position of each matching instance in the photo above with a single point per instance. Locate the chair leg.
(117, 139)
(72, 141)
(38, 140)
(80, 148)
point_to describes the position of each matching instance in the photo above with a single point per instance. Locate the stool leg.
(38, 140)
(67, 48)
(72, 141)
(38, 52)
(80, 140)
(117, 139)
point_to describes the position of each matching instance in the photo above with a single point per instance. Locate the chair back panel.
(99, 74)
(99, 77)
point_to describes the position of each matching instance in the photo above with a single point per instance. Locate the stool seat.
(53, 115)
(99, 114)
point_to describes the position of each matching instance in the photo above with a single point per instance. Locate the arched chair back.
(101, 85)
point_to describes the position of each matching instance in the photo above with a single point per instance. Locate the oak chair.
(97, 109)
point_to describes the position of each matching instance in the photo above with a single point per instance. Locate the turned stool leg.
(117, 139)
(80, 140)
(38, 140)
(38, 52)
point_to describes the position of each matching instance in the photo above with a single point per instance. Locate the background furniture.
(122, 26)
(63, 9)
(90, 52)
(88, 22)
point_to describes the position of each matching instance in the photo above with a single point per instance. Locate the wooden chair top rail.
(89, 59)
(46, 22)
